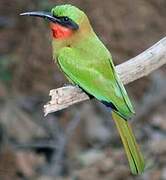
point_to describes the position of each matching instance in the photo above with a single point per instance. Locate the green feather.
(68, 10)
(133, 153)
(93, 70)
(86, 62)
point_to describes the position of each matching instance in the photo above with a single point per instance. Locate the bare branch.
(135, 68)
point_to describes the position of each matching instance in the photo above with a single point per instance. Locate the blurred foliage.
(5, 73)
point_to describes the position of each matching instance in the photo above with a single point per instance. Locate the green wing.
(96, 76)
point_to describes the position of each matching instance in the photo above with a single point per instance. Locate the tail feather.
(133, 153)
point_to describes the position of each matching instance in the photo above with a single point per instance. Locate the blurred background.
(34, 147)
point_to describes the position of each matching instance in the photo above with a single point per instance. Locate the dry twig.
(137, 67)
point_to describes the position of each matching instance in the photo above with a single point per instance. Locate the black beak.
(47, 15)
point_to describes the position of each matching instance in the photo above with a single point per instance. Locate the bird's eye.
(66, 19)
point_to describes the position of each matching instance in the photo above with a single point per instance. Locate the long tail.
(133, 153)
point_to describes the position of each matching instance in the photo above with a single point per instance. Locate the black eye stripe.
(63, 18)
(66, 21)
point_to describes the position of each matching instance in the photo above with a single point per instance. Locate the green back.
(89, 64)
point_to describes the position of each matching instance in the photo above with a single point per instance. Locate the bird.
(87, 63)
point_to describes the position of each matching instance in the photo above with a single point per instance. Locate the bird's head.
(65, 20)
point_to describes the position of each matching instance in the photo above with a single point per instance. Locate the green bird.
(86, 62)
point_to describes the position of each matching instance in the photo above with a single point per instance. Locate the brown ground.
(34, 147)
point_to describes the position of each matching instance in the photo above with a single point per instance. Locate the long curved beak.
(45, 15)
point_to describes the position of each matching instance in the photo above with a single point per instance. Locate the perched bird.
(86, 62)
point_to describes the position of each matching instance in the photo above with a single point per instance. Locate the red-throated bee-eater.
(86, 62)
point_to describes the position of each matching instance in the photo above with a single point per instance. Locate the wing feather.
(97, 77)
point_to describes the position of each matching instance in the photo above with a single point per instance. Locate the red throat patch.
(59, 31)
